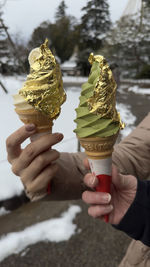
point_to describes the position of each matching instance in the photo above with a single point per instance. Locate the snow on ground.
(138, 81)
(54, 230)
(65, 122)
(3, 211)
(10, 185)
(137, 90)
(121, 88)
(127, 117)
(72, 79)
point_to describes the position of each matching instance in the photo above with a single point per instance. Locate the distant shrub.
(144, 73)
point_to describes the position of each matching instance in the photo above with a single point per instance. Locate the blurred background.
(118, 30)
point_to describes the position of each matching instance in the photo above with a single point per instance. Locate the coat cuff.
(136, 222)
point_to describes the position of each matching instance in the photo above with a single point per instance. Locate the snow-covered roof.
(133, 7)
(70, 64)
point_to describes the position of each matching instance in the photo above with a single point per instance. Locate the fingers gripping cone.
(99, 152)
(43, 126)
(43, 123)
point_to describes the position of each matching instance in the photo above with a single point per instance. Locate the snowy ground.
(54, 230)
(10, 185)
(137, 90)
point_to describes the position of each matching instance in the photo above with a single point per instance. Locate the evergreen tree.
(6, 57)
(94, 24)
(128, 43)
(39, 34)
(147, 2)
(10, 53)
(62, 34)
(64, 37)
(61, 11)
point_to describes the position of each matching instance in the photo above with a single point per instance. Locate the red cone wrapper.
(101, 168)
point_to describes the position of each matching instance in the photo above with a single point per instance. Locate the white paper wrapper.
(101, 166)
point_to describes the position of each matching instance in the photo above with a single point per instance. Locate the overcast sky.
(24, 15)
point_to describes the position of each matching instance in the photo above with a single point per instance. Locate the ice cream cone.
(42, 122)
(41, 96)
(98, 122)
(98, 147)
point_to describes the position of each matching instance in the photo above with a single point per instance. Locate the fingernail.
(30, 127)
(59, 135)
(92, 180)
(107, 197)
(110, 208)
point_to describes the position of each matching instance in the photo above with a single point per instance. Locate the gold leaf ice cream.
(96, 114)
(98, 122)
(43, 89)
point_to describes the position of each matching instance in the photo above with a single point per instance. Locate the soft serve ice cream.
(96, 113)
(42, 94)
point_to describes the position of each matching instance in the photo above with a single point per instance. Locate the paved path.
(97, 244)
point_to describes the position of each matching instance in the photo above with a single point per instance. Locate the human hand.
(35, 164)
(116, 204)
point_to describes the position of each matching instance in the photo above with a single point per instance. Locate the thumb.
(117, 179)
(86, 163)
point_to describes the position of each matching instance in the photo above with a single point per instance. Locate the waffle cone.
(98, 147)
(42, 122)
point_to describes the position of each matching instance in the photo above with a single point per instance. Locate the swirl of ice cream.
(96, 113)
(43, 88)
(20, 103)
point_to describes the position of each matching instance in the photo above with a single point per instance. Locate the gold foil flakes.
(43, 88)
(103, 100)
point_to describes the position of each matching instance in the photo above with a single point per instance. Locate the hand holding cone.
(99, 152)
(39, 100)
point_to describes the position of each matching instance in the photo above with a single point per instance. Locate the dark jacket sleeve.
(136, 222)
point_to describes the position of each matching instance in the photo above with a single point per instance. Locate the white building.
(133, 7)
(69, 67)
